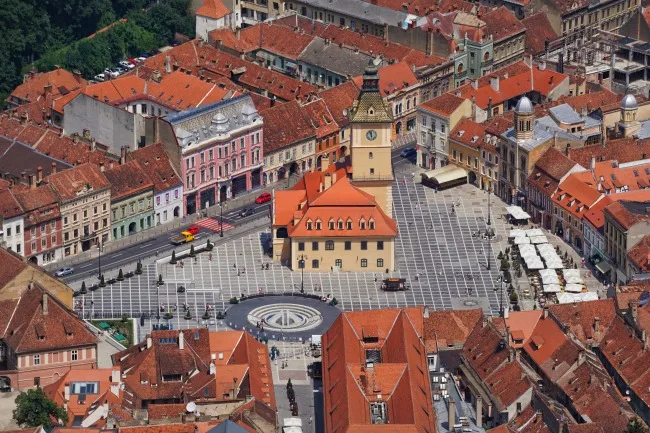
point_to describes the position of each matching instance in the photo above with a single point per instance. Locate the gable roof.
(155, 162)
(68, 184)
(32, 329)
(127, 179)
(444, 104)
(501, 24)
(339, 100)
(579, 318)
(58, 82)
(448, 328)
(214, 9)
(538, 31)
(278, 133)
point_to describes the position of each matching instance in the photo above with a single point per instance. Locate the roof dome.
(524, 106)
(629, 102)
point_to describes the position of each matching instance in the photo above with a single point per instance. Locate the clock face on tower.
(371, 135)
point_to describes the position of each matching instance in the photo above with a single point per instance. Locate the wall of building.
(100, 200)
(52, 366)
(135, 212)
(351, 259)
(420, 40)
(204, 25)
(13, 234)
(42, 241)
(337, 18)
(277, 165)
(168, 205)
(109, 125)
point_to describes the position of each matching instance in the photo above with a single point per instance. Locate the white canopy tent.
(534, 232)
(549, 276)
(517, 213)
(573, 288)
(552, 288)
(538, 240)
(568, 298)
(517, 233)
(521, 240)
(554, 264)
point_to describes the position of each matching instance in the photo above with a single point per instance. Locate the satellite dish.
(345, 111)
(191, 407)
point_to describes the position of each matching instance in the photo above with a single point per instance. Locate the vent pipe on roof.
(53, 168)
(39, 174)
(32, 181)
(149, 342)
(181, 341)
(168, 64)
(45, 310)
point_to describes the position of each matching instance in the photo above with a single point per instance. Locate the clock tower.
(371, 123)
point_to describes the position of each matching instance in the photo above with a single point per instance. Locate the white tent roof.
(549, 276)
(572, 279)
(521, 240)
(516, 233)
(552, 288)
(568, 298)
(517, 212)
(538, 240)
(573, 288)
(534, 232)
(571, 272)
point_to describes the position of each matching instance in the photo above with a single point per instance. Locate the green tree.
(33, 409)
(636, 426)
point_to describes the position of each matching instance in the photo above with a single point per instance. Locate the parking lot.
(436, 251)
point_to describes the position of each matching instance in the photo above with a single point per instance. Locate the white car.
(113, 73)
(126, 65)
(63, 272)
(140, 59)
(100, 77)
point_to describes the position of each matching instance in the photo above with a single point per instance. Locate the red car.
(263, 198)
(193, 229)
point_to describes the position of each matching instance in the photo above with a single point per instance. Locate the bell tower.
(371, 122)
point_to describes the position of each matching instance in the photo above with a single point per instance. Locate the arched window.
(460, 68)
(309, 225)
(528, 125)
(486, 57)
(331, 224)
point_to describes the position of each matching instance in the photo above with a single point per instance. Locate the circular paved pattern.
(285, 317)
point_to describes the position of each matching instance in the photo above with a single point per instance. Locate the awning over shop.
(455, 173)
(517, 213)
(438, 171)
(603, 267)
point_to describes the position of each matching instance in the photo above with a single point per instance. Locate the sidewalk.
(165, 229)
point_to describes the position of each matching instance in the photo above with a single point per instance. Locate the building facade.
(218, 149)
(84, 198)
(13, 223)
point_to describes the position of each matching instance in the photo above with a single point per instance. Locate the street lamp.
(501, 282)
(99, 259)
(301, 264)
(221, 224)
(489, 221)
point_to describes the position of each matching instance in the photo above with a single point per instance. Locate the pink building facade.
(221, 151)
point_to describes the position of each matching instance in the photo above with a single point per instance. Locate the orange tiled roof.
(538, 31)
(574, 197)
(501, 24)
(154, 161)
(321, 118)
(279, 133)
(444, 104)
(623, 150)
(469, 133)
(550, 349)
(393, 78)
(69, 182)
(447, 328)
(277, 39)
(579, 318)
(61, 81)
(40, 204)
(214, 9)
(626, 218)
(639, 254)
(515, 80)
(339, 99)
(127, 180)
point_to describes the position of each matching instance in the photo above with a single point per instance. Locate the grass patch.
(119, 326)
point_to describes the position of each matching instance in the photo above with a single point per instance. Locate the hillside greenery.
(45, 33)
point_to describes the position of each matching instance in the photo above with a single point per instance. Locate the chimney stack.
(479, 410)
(32, 181)
(634, 306)
(168, 64)
(53, 168)
(122, 155)
(452, 414)
(597, 324)
(546, 312)
(181, 341)
(592, 165)
(44, 304)
(39, 174)
(101, 166)
(149, 342)
(489, 108)
(494, 82)
(425, 312)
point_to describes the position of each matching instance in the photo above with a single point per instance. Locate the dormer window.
(331, 224)
(371, 224)
(309, 225)
(362, 224)
(340, 224)
(319, 225)
(349, 224)
(371, 111)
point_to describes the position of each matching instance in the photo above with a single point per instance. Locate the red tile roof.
(579, 318)
(9, 206)
(517, 82)
(444, 104)
(214, 9)
(67, 184)
(321, 118)
(502, 24)
(574, 197)
(30, 329)
(393, 79)
(276, 39)
(155, 162)
(401, 378)
(626, 218)
(504, 378)
(40, 204)
(538, 31)
(550, 349)
(278, 133)
(339, 99)
(639, 254)
(469, 133)
(449, 328)
(622, 150)
(127, 180)
(61, 81)
(549, 170)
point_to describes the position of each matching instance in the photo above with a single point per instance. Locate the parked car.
(140, 59)
(99, 77)
(193, 229)
(63, 272)
(111, 73)
(407, 152)
(120, 70)
(246, 212)
(127, 65)
(263, 198)
(145, 56)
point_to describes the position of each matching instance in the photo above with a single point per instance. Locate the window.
(369, 155)
(380, 245)
(349, 224)
(314, 246)
(364, 245)
(364, 263)
(318, 225)
(371, 225)
(301, 246)
(372, 171)
(314, 264)
(348, 245)
(37, 359)
(362, 225)
(329, 245)
(308, 225)
(74, 355)
(380, 263)
(331, 224)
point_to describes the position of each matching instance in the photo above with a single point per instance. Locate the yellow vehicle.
(183, 238)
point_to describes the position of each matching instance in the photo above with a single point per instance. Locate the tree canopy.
(34, 409)
(54, 31)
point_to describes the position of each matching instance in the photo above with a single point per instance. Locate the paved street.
(437, 254)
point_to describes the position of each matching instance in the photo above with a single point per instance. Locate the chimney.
(425, 312)
(66, 393)
(181, 341)
(634, 306)
(213, 369)
(506, 312)
(479, 410)
(39, 174)
(474, 107)
(592, 165)
(32, 181)
(546, 312)
(475, 84)
(53, 168)
(101, 166)
(494, 82)
(168, 64)
(458, 93)
(489, 108)
(44, 304)
(327, 181)
(110, 165)
(238, 34)
(273, 101)
(149, 342)
(511, 355)
(123, 155)
(47, 89)
(452, 414)
(155, 76)
(93, 144)
(597, 324)
(542, 65)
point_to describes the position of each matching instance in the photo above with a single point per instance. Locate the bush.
(138, 269)
(169, 315)
(514, 298)
(173, 259)
(234, 301)
(505, 265)
(120, 275)
(101, 281)
(83, 290)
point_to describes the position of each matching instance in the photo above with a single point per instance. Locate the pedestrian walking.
(234, 265)
(310, 419)
(156, 253)
(210, 256)
(238, 272)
